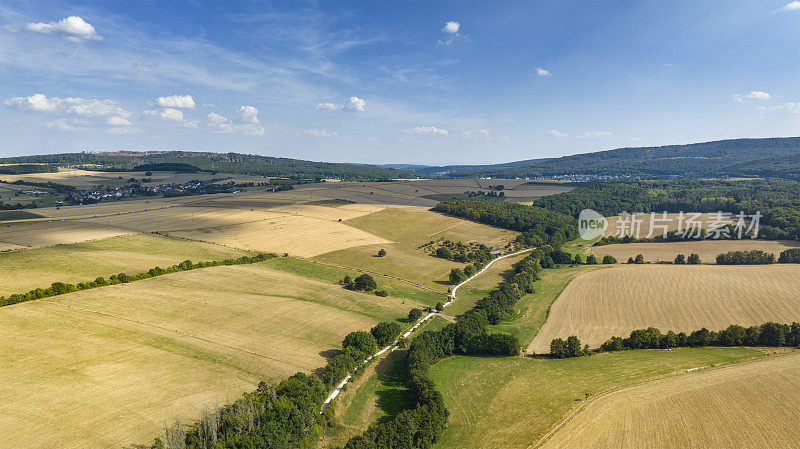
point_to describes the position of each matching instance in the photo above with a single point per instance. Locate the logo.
(591, 224)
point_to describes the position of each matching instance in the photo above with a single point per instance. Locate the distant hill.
(779, 157)
(186, 161)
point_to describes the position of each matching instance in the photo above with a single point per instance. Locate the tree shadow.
(443, 282)
(395, 397)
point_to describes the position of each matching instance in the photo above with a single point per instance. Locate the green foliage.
(791, 255)
(694, 259)
(591, 260)
(363, 283)
(60, 288)
(414, 315)
(361, 341)
(561, 349)
(21, 169)
(386, 332)
(754, 257)
(639, 259)
(538, 225)
(680, 259)
(457, 276)
(439, 306)
(381, 293)
(381, 252)
(609, 259)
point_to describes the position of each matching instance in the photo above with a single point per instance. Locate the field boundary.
(575, 411)
(361, 270)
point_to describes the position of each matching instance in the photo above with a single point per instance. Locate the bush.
(457, 276)
(414, 315)
(363, 283)
(790, 256)
(639, 259)
(591, 260)
(381, 293)
(630, 260)
(694, 259)
(386, 332)
(753, 257)
(469, 270)
(680, 259)
(439, 306)
(382, 252)
(609, 259)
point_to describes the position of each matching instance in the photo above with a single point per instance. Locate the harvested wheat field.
(83, 262)
(683, 298)
(109, 367)
(706, 249)
(741, 406)
(57, 232)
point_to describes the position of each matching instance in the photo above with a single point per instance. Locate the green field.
(394, 287)
(81, 262)
(17, 215)
(512, 402)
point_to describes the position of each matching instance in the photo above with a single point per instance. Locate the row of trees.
(461, 252)
(422, 425)
(21, 169)
(60, 288)
(538, 225)
(756, 257)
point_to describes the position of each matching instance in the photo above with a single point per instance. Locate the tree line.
(60, 288)
(757, 257)
(777, 200)
(538, 225)
(23, 169)
(768, 334)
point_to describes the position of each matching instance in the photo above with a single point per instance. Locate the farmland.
(706, 249)
(134, 356)
(25, 270)
(615, 301)
(513, 402)
(699, 409)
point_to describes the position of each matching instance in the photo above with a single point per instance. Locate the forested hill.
(779, 157)
(243, 164)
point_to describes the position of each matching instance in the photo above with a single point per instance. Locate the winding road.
(393, 345)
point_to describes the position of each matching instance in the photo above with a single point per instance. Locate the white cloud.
(319, 133)
(193, 124)
(504, 139)
(594, 134)
(791, 108)
(476, 134)
(356, 104)
(123, 131)
(72, 28)
(558, 134)
(175, 115)
(327, 107)
(428, 130)
(118, 121)
(248, 114)
(542, 72)
(176, 101)
(66, 125)
(88, 107)
(220, 124)
(451, 27)
(753, 95)
(792, 6)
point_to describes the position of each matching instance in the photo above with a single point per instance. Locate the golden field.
(683, 298)
(741, 406)
(706, 249)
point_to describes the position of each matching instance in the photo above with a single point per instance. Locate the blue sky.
(380, 82)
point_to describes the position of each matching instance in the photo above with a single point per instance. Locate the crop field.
(513, 402)
(81, 262)
(90, 178)
(706, 249)
(742, 406)
(56, 233)
(644, 225)
(615, 301)
(404, 230)
(109, 367)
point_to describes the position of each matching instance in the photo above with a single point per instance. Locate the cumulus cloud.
(428, 130)
(356, 104)
(792, 6)
(171, 114)
(476, 134)
(791, 108)
(123, 131)
(193, 124)
(220, 124)
(72, 28)
(542, 71)
(319, 133)
(327, 107)
(66, 125)
(753, 95)
(451, 27)
(558, 134)
(176, 101)
(248, 114)
(594, 134)
(118, 121)
(88, 107)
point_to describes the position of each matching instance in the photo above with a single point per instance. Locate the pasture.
(513, 402)
(742, 406)
(706, 249)
(109, 367)
(405, 229)
(683, 298)
(82, 262)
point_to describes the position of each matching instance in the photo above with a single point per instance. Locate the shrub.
(457, 276)
(439, 306)
(364, 283)
(639, 259)
(609, 259)
(591, 260)
(381, 293)
(414, 315)
(680, 259)
(791, 255)
(694, 259)
(382, 252)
